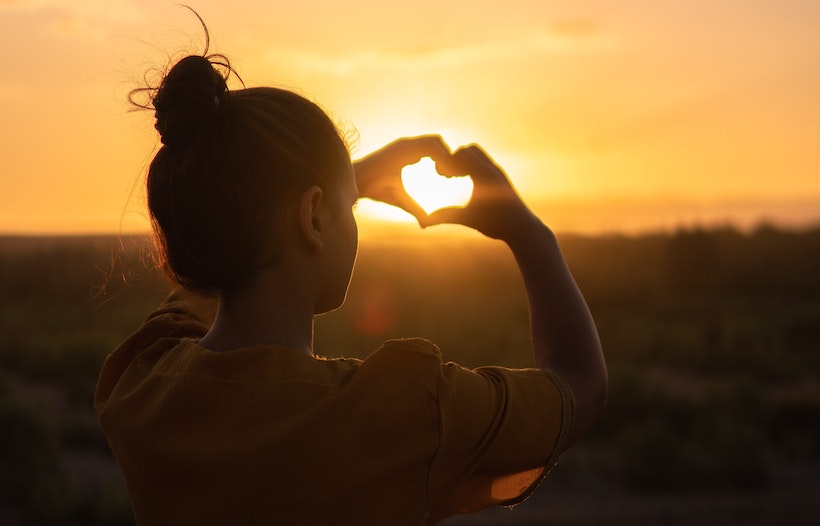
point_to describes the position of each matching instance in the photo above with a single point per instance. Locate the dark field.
(712, 339)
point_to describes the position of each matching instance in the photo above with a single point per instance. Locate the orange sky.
(611, 115)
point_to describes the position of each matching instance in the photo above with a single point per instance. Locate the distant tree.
(691, 261)
(33, 479)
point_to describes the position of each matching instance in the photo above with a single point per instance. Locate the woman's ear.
(311, 217)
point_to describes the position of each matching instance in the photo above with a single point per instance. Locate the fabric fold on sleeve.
(501, 430)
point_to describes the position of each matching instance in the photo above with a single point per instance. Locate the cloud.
(106, 9)
(77, 17)
(572, 35)
(577, 28)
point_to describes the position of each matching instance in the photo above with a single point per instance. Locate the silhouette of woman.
(217, 410)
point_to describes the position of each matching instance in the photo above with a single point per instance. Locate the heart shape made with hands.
(432, 190)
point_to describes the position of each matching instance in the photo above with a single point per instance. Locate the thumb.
(450, 214)
(411, 206)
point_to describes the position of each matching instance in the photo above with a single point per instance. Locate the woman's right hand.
(495, 208)
(378, 175)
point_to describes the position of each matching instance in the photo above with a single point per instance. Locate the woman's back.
(273, 436)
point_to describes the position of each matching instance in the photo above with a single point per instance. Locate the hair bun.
(189, 96)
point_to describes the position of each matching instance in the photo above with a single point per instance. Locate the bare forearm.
(564, 336)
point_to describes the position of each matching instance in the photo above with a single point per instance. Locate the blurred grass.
(712, 338)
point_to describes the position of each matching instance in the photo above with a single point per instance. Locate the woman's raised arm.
(564, 336)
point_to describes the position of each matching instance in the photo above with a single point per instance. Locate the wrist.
(525, 231)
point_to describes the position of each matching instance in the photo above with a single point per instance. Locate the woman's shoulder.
(411, 361)
(411, 346)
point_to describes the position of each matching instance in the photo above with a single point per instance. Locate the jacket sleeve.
(183, 314)
(501, 431)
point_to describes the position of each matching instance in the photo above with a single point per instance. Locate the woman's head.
(231, 163)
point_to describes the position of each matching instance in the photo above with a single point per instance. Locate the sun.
(433, 191)
(424, 184)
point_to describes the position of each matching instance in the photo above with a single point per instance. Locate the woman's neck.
(270, 309)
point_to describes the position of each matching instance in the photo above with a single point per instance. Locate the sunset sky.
(622, 115)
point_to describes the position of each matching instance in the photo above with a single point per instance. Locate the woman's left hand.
(378, 175)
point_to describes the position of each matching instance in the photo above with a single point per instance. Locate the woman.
(218, 412)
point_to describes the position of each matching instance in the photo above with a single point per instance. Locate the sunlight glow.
(682, 134)
(370, 209)
(433, 191)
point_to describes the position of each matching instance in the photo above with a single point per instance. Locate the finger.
(448, 166)
(473, 154)
(464, 162)
(412, 149)
(409, 205)
(444, 215)
(477, 163)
